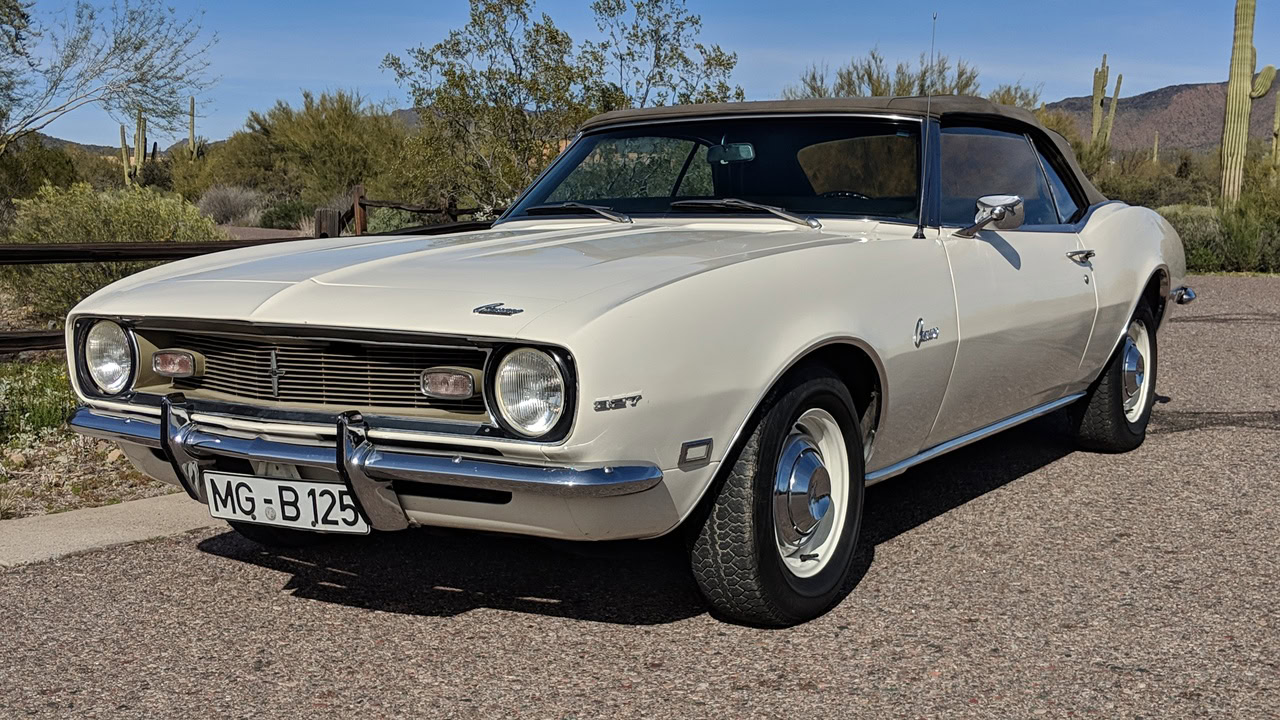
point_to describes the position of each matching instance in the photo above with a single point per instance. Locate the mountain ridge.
(1188, 116)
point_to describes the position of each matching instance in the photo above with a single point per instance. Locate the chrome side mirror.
(1006, 211)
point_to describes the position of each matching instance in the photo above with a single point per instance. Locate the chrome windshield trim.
(902, 466)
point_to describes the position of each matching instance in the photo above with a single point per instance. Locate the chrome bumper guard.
(367, 470)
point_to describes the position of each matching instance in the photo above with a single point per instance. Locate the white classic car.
(727, 319)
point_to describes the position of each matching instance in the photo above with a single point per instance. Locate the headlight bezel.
(564, 364)
(84, 378)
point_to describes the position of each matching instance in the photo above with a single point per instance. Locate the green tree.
(314, 152)
(651, 54)
(870, 76)
(329, 144)
(499, 97)
(1018, 95)
(131, 55)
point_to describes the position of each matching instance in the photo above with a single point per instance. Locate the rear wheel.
(1113, 417)
(778, 539)
(278, 537)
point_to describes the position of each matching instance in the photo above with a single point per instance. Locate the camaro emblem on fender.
(617, 403)
(497, 309)
(923, 335)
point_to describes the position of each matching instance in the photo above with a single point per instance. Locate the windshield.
(858, 167)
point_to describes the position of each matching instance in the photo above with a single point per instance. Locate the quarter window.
(981, 161)
(1067, 205)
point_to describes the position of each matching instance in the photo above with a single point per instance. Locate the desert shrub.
(1189, 179)
(80, 214)
(385, 220)
(245, 159)
(157, 174)
(33, 396)
(1200, 228)
(103, 173)
(285, 214)
(231, 205)
(1244, 239)
(25, 167)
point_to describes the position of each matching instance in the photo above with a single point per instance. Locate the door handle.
(1081, 256)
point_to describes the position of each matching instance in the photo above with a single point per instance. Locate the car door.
(1025, 307)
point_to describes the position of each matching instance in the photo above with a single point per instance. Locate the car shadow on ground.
(443, 573)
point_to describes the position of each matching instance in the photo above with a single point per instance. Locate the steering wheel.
(844, 194)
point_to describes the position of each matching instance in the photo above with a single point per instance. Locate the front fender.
(703, 351)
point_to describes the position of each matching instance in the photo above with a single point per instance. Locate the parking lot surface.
(1013, 578)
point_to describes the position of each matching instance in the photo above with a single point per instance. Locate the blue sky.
(271, 49)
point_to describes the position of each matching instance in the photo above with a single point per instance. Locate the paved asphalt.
(1015, 578)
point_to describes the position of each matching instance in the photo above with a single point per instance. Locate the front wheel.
(1113, 416)
(778, 539)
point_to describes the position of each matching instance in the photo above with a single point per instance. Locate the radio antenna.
(927, 129)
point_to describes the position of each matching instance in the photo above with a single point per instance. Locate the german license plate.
(323, 507)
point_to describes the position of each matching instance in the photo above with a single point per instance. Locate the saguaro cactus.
(1155, 150)
(1275, 142)
(139, 144)
(1242, 89)
(1101, 133)
(124, 156)
(191, 129)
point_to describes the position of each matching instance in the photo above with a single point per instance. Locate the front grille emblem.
(276, 373)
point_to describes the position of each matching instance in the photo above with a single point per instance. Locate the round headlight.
(108, 357)
(530, 391)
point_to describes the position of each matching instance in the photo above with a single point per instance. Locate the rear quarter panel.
(1133, 245)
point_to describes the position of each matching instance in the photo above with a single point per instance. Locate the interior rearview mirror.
(1006, 212)
(730, 153)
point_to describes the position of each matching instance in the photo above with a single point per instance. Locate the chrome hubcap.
(810, 486)
(1135, 360)
(802, 495)
(1134, 368)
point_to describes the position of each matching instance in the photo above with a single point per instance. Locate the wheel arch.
(855, 361)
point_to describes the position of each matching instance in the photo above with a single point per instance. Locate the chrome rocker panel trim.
(368, 470)
(900, 467)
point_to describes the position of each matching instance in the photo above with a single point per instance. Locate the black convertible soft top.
(939, 106)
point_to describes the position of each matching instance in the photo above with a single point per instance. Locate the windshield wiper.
(737, 203)
(604, 212)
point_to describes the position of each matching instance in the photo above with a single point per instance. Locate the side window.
(981, 161)
(875, 166)
(1067, 205)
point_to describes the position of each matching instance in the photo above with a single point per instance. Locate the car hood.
(435, 283)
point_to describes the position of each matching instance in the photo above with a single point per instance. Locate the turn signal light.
(175, 363)
(448, 384)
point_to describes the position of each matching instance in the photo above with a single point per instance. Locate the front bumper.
(368, 470)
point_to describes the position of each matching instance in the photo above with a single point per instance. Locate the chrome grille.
(345, 375)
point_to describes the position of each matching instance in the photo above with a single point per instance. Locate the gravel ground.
(56, 470)
(1015, 578)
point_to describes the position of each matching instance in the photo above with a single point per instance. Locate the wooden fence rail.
(59, 253)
